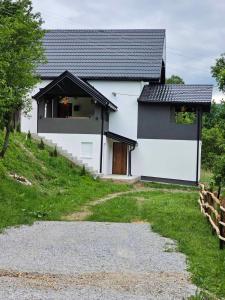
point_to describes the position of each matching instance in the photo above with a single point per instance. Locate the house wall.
(77, 125)
(123, 121)
(107, 156)
(73, 144)
(155, 121)
(165, 159)
(127, 93)
(164, 150)
(29, 121)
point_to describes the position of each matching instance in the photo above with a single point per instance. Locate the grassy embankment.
(58, 187)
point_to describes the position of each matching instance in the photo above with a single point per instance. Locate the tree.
(219, 172)
(213, 134)
(21, 52)
(218, 72)
(213, 145)
(175, 79)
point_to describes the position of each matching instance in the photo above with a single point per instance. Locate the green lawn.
(57, 186)
(177, 216)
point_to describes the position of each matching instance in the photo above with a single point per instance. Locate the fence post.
(221, 227)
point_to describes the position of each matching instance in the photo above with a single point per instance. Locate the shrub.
(83, 171)
(41, 145)
(54, 153)
(18, 129)
(219, 172)
(29, 135)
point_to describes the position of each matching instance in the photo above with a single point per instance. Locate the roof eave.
(88, 88)
(107, 78)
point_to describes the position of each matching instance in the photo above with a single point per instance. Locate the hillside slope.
(58, 187)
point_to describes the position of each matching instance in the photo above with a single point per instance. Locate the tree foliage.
(218, 72)
(21, 52)
(213, 142)
(175, 79)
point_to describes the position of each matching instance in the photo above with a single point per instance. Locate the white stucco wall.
(124, 121)
(73, 144)
(175, 159)
(107, 156)
(29, 122)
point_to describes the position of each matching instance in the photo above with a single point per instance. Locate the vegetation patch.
(58, 187)
(176, 216)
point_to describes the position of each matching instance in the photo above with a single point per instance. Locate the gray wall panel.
(60, 125)
(72, 125)
(154, 122)
(168, 180)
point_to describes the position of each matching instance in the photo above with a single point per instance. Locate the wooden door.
(119, 159)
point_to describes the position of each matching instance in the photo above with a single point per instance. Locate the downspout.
(102, 133)
(37, 114)
(129, 160)
(198, 146)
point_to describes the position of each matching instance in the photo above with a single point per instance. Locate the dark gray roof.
(131, 53)
(68, 82)
(120, 138)
(177, 93)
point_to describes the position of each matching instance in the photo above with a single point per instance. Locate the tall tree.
(20, 53)
(175, 79)
(218, 72)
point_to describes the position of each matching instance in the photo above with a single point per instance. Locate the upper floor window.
(184, 114)
(73, 107)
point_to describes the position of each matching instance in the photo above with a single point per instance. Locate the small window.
(184, 115)
(86, 149)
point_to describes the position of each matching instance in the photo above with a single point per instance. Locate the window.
(86, 149)
(184, 115)
(65, 108)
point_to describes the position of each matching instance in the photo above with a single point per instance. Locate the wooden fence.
(214, 209)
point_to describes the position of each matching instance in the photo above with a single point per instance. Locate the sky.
(195, 29)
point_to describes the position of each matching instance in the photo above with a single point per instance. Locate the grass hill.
(58, 187)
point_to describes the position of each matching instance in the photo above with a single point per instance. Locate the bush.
(41, 145)
(18, 129)
(29, 135)
(2, 171)
(212, 146)
(54, 153)
(83, 171)
(219, 172)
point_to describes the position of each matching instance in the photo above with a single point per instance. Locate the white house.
(104, 99)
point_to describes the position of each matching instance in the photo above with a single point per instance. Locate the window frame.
(83, 154)
(187, 108)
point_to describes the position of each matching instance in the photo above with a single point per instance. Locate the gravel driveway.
(87, 260)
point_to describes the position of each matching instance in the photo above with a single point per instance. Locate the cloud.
(195, 29)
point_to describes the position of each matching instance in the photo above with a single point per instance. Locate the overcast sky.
(195, 29)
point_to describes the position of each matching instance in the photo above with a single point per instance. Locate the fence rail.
(214, 209)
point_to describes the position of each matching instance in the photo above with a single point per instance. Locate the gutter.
(102, 133)
(198, 146)
(129, 160)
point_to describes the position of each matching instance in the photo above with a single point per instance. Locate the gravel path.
(88, 260)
